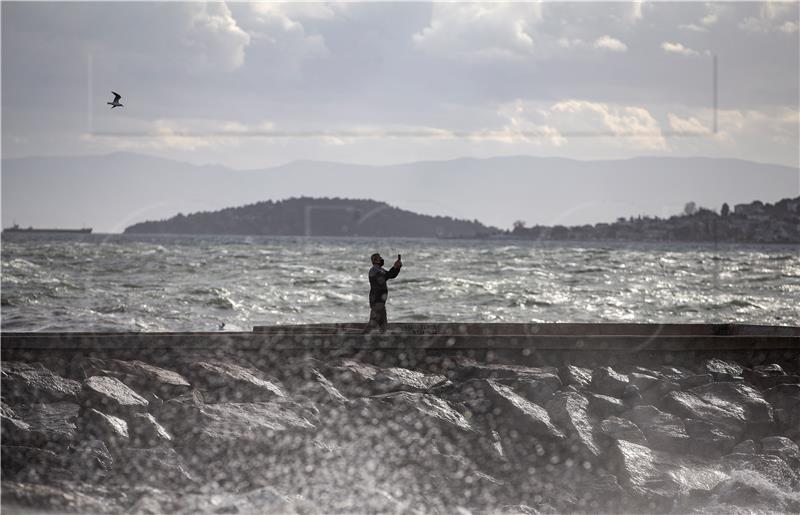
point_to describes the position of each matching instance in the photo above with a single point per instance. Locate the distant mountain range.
(111, 192)
(315, 217)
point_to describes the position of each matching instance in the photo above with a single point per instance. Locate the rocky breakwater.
(222, 434)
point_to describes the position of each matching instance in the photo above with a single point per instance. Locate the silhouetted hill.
(317, 217)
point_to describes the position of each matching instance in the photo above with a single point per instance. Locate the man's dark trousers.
(377, 316)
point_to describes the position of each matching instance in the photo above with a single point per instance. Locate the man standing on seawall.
(378, 291)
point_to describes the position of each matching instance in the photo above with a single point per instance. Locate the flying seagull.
(115, 102)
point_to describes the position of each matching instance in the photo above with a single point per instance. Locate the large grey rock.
(767, 376)
(468, 368)
(694, 381)
(223, 381)
(604, 406)
(771, 467)
(674, 373)
(708, 439)
(784, 448)
(579, 377)
(722, 370)
(689, 406)
(652, 388)
(48, 424)
(622, 429)
(108, 428)
(27, 383)
(110, 395)
(607, 381)
(739, 399)
(145, 431)
(570, 410)
(522, 427)
(147, 378)
(356, 379)
(661, 478)
(663, 431)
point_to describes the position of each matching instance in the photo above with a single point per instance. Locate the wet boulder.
(145, 431)
(659, 479)
(25, 383)
(150, 379)
(110, 395)
(607, 381)
(663, 431)
(604, 406)
(741, 400)
(356, 379)
(652, 388)
(771, 467)
(47, 424)
(223, 381)
(622, 429)
(90, 459)
(768, 376)
(579, 377)
(694, 381)
(722, 370)
(674, 373)
(570, 410)
(523, 427)
(708, 439)
(784, 448)
(107, 428)
(689, 406)
(468, 368)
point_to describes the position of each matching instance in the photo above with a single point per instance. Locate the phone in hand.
(398, 257)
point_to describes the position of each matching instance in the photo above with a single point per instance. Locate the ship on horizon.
(16, 228)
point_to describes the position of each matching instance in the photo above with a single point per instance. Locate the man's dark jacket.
(378, 291)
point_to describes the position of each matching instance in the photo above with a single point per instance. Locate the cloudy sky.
(256, 84)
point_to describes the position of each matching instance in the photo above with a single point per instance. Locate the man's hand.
(398, 264)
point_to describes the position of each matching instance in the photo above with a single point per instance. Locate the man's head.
(377, 260)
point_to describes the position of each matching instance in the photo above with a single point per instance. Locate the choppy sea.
(182, 283)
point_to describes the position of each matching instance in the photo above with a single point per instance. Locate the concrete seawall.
(537, 344)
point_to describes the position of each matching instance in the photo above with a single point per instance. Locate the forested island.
(756, 222)
(307, 216)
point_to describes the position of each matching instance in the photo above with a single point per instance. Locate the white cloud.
(629, 125)
(692, 27)
(281, 27)
(686, 126)
(678, 48)
(468, 30)
(773, 17)
(215, 37)
(609, 43)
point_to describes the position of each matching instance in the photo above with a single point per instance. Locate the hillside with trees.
(756, 222)
(315, 217)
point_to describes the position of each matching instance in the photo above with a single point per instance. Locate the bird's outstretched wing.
(117, 96)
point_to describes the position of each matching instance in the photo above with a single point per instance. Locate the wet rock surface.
(218, 435)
